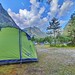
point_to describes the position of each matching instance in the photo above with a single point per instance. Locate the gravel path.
(63, 55)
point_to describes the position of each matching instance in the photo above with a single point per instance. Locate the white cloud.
(34, 3)
(42, 9)
(65, 7)
(59, 10)
(27, 18)
(53, 8)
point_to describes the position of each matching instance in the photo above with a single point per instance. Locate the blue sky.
(27, 13)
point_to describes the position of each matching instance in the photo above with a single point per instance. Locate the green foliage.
(64, 39)
(69, 30)
(49, 40)
(32, 39)
(38, 40)
(43, 40)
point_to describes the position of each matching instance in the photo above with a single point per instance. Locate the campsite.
(37, 37)
(52, 61)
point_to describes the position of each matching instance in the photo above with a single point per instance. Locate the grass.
(48, 46)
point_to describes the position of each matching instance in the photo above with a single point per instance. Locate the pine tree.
(54, 25)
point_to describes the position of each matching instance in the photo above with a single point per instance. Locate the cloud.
(65, 7)
(57, 10)
(27, 18)
(42, 9)
(34, 3)
(53, 8)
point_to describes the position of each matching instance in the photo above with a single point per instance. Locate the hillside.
(35, 31)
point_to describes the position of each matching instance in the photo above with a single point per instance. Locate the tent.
(15, 45)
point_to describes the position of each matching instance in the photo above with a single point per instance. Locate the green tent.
(15, 45)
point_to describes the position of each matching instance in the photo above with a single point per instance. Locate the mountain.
(5, 19)
(35, 31)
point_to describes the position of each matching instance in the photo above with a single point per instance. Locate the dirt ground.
(52, 61)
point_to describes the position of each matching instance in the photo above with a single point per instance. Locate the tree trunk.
(54, 38)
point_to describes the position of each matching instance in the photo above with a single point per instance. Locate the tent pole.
(20, 46)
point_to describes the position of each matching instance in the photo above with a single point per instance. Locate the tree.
(63, 39)
(72, 36)
(0, 28)
(54, 26)
(71, 31)
(49, 40)
(33, 39)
